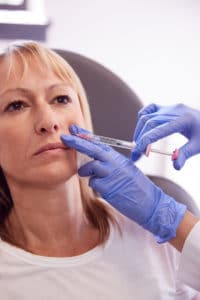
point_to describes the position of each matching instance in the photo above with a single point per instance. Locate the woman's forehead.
(13, 75)
(14, 72)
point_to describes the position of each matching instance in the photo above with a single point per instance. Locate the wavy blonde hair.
(97, 212)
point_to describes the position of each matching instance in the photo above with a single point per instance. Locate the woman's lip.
(51, 146)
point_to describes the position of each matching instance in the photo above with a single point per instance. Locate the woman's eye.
(64, 99)
(15, 105)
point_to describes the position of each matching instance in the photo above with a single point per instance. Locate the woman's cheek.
(77, 118)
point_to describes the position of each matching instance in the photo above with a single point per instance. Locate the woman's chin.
(58, 174)
(50, 175)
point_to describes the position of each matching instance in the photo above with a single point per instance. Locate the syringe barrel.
(112, 141)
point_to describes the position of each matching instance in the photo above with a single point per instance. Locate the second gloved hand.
(126, 188)
(156, 122)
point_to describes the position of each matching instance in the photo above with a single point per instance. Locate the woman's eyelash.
(14, 105)
(17, 105)
(63, 97)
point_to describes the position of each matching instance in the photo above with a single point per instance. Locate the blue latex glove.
(156, 122)
(126, 188)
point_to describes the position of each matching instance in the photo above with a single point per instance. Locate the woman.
(58, 239)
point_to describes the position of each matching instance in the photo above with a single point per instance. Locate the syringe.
(124, 144)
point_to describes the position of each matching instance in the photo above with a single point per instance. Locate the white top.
(189, 270)
(130, 267)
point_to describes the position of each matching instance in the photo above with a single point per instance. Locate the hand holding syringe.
(121, 183)
(124, 144)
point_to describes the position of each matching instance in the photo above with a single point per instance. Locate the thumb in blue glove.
(126, 188)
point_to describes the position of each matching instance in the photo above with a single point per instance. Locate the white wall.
(154, 45)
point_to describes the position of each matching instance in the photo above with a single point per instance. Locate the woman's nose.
(47, 122)
(50, 127)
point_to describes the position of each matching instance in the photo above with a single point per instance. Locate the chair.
(114, 108)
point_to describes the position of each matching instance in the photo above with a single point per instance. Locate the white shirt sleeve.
(189, 268)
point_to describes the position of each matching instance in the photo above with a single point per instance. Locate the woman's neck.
(51, 222)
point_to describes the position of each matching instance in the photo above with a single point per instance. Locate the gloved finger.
(149, 109)
(154, 135)
(94, 168)
(144, 115)
(75, 129)
(140, 125)
(97, 185)
(89, 148)
(185, 152)
(147, 139)
(159, 114)
(152, 123)
(135, 155)
(85, 134)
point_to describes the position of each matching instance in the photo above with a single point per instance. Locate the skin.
(186, 225)
(47, 217)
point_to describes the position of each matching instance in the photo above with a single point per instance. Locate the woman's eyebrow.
(21, 90)
(27, 91)
(58, 85)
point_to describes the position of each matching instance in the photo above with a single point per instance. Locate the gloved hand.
(156, 122)
(126, 188)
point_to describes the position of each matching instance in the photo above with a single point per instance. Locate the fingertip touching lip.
(51, 146)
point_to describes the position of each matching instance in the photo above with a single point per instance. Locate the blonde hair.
(97, 212)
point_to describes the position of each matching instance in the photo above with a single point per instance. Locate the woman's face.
(34, 111)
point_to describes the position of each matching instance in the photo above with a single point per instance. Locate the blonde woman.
(58, 239)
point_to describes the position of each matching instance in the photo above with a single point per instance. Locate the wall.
(154, 45)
